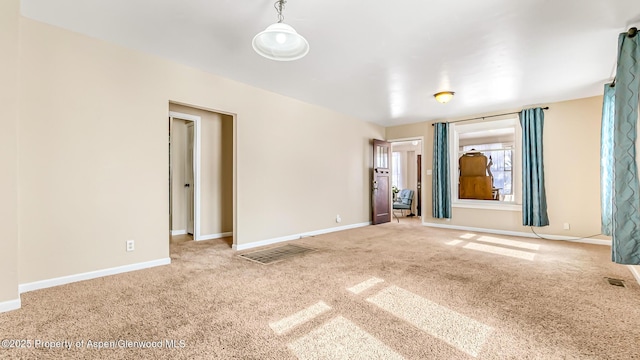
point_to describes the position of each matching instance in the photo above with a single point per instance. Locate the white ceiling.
(380, 61)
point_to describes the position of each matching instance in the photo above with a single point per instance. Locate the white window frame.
(396, 164)
(454, 154)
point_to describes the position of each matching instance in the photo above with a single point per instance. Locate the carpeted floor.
(391, 291)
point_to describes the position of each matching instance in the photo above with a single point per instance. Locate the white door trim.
(196, 159)
(423, 176)
(190, 176)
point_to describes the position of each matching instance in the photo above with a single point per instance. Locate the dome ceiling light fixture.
(280, 41)
(444, 96)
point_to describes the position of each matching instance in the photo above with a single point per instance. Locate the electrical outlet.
(131, 245)
(566, 226)
(338, 218)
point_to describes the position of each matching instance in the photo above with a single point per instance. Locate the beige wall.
(87, 186)
(178, 158)
(572, 172)
(216, 176)
(9, 68)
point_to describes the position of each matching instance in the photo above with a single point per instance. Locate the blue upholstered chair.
(403, 202)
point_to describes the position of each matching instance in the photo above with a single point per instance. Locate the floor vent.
(270, 256)
(615, 282)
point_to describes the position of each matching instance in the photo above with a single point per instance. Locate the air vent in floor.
(270, 256)
(615, 282)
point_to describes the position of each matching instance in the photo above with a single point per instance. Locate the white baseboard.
(43, 284)
(215, 236)
(178, 232)
(635, 270)
(519, 233)
(297, 236)
(10, 305)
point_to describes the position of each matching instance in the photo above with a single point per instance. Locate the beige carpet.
(394, 291)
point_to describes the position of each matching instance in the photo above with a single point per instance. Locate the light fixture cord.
(279, 5)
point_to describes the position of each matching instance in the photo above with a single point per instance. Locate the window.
(396, 169)
(499, 143)
(499, 156)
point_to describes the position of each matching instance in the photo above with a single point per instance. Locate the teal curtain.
(441, 186)
(534, 198)
(625, 247)
(606, 159)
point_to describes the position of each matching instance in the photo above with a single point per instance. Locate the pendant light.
(280, 41)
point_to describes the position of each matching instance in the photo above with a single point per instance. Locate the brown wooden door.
(419, 187)
(381, 187)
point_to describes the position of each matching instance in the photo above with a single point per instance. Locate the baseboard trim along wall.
(43, 284)
(178, 232)
(297, 236)
(215, 236)
(635, 270)
(10, 305)
(519, 233)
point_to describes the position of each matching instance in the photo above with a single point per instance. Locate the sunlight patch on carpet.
(301, 317)
(467, 236)
(455, 329)
(454, 242)
(270, 256)
(501, 251)
(358, 288)
(512, 243)
(341, 339)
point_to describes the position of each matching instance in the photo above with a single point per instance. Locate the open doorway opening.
(183, 167)
(201, 173)
(406, 179)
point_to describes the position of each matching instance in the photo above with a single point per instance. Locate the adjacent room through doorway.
(201, 174)
(406, 178)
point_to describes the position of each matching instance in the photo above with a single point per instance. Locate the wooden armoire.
(475, 183)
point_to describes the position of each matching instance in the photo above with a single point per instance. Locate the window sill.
(487, 205)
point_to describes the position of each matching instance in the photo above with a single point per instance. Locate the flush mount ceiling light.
(444, 96)
(280, 41)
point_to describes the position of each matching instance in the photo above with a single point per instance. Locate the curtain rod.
(488, 116)
(630, 33)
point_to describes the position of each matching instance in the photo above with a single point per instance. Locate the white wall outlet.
(566, 226)
(429, 172)
(131, 245)
(338, 218)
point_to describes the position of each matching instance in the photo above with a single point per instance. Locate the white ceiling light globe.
(280, 42)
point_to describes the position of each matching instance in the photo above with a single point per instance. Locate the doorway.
(184, 174)
(201, 174)
(406, 173)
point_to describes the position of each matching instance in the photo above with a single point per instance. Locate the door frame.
(423, 170)
(196, 167)
(190, 174)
